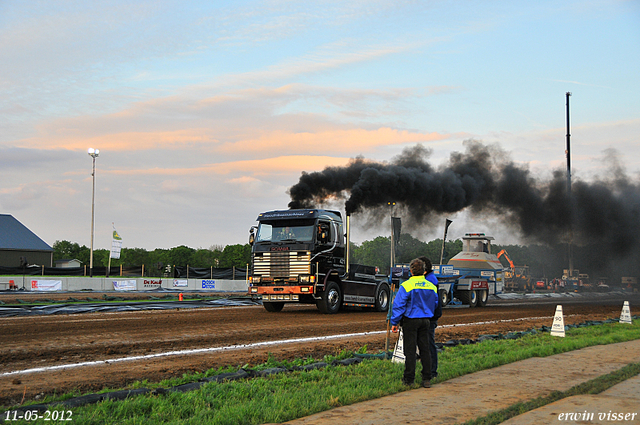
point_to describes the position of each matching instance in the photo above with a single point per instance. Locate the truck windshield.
(291, 232)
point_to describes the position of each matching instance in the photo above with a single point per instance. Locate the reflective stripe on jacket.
(417, 298)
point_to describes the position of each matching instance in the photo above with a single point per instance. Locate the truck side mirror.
(252, 236)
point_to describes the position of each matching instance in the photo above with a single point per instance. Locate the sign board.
(116, 244)
(625, 316)
(179, 283)
(124, 285)
(398, 352)
(46, 285)
(557, 329)
(208, 284)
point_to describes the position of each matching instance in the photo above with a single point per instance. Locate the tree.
(410, 248)
(205, 258)
(65, 250)
(134, 257)
(374, 253)
(181, 255)
(235, 256)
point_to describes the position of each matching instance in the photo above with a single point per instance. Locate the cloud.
(282, 165)
(351, 141)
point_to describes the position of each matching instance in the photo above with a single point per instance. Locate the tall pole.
(393, 238)
(568, 152)
(93, 153)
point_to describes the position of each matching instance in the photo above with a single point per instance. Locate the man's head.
(417, 267)
(428, 267)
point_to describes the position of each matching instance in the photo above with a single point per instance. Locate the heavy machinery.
(469, 277)
(516, 278)
(300, 256)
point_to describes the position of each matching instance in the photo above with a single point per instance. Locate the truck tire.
(469, 298)
(443, 297)
(331, 300)
(383, 297)
(482, 298)
(273, 307)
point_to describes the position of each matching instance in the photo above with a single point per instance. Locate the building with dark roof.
(17, 241)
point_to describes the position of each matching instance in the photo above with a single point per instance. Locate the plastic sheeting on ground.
(537, 295)
(35, 310)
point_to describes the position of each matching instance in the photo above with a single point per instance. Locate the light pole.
(93, 153)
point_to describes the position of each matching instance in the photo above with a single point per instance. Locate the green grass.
(288, 396)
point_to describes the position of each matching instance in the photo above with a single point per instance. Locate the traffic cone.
(180, 297)
(625, 316)
(557, 329)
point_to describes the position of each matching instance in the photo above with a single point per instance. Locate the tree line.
(215, 256)
(543, 261)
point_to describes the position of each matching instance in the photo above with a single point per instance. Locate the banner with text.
(124, 285)
(116, 244)
(46, 285)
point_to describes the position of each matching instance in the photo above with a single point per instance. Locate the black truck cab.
(300, 256)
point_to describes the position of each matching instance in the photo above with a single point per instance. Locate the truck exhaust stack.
(348, 247)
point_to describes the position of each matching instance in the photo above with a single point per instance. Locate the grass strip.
(594, 386)
(283, 397)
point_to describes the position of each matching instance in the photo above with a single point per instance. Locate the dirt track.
(31, 342)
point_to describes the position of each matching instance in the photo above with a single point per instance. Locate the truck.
(469, 277)
(301, 256)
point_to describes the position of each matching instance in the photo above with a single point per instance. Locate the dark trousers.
(416, 333)
(433, 349)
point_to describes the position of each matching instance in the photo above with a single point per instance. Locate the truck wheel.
(382, 298)
(443, 297)
(468, 297)
(273, 307)
(331, 299)
(482, 298)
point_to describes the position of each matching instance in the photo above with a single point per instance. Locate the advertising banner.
(124, 285)
(46, 285)
(208, 284)
(178, 283)
(116, 244)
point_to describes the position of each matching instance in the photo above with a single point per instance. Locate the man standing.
(415, 304)
(433, 349)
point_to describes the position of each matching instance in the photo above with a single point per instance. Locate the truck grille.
(282, 264)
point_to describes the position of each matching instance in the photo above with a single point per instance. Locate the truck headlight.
(256, 279)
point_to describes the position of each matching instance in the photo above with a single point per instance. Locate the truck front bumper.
(281, 293)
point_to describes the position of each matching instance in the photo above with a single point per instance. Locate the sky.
(206, 112)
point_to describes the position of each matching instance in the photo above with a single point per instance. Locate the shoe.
(407, 383)
(426, 384)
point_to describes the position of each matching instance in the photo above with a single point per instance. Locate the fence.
(227, 273)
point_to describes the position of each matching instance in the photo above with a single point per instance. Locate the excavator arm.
(503, 252)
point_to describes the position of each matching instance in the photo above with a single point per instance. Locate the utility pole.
(93, 153)
(568, 153)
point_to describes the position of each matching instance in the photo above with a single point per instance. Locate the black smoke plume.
(602, 216)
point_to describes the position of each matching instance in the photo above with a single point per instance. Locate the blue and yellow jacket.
(417, 298)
